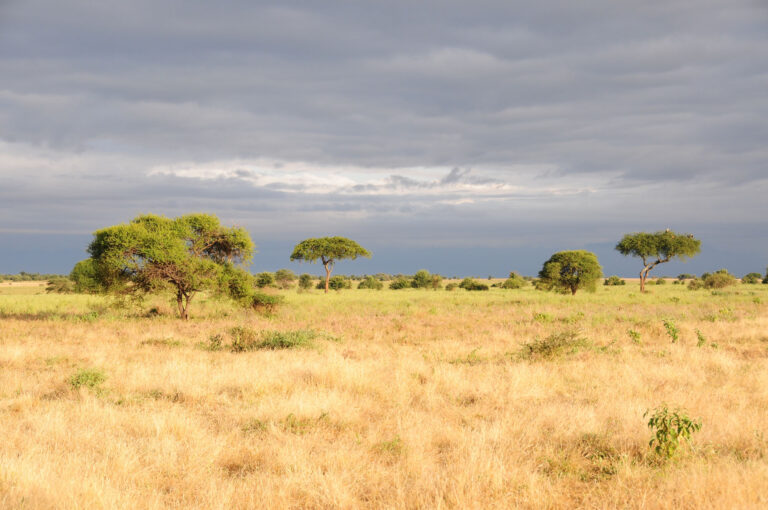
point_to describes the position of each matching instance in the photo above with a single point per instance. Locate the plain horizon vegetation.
(568, 389)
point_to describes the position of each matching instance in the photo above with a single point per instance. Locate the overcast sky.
(467, 138)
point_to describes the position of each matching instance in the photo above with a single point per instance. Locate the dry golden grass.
(409, 399)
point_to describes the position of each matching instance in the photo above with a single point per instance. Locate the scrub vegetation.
(378, 398)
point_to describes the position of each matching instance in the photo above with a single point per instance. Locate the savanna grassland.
(390, 399)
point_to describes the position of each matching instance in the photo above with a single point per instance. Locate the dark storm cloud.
(431, 121)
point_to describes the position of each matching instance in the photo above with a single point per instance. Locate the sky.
(466, 138)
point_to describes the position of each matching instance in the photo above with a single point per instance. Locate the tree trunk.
(327, 276)
(573, 290)
(182, 300)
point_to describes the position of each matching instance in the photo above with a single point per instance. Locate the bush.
(614, 280)
(90, 378)
(660, 281)
(695, 284)
(337, 282)
(261, 301)
(686, 276)
(515, 281)
(370, 283)
(422, 280)
(751, 278)
(60, 286)
(669, 427)
(719, 279)
(553, 346)
(451, 286)
(569, 271)
(400, 283)
(84, 276)
(471, 284)
(246, 339)
(284, 278)
(305, 281)
(265, 280)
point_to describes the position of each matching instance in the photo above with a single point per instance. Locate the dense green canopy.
(328, 250)
(569, 271)
(186, 254)
(657, 248)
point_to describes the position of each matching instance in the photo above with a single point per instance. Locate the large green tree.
(569, 271)
(186, 255)
(657, 248)
(328, 250)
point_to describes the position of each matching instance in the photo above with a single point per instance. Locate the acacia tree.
(328, 250)
(570, 271)
(657, 248)
(152, 253)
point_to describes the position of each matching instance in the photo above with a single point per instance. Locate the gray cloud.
(600, 115)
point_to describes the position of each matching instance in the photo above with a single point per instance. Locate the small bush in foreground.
(669, 428)
(90, 378)
(557, 344)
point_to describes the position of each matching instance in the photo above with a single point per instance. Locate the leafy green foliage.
(569, 271)
(634, 336)
(244, 338)
(60, 286)
(85, 277)
(370, 283)
(305, 281)
(672, 330)
(337, 282)
(400, 283)
(614, 281)
(669, 428)
(555, 345)
(265, 279)
(328, 250)
(751, 278)
(719, 279)
(284, 278)
(89, 378)
(472, 284)
(662, 246)
(153, 253)
(451, 286)
(660, 281)
(515, 281)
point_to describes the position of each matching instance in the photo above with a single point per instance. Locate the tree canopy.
(658, 248)
(328, 250)
(187, 254)
(569, 271)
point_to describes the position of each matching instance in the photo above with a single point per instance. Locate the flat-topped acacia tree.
(662, 246)
(187, 255)
(328, 250)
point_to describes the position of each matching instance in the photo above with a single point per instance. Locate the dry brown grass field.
(403, 399)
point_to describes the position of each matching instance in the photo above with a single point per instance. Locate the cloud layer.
(483, 125)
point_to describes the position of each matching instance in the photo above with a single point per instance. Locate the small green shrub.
(701, 340)
(243, 338)
(265, 280)
(660, 281)
(671, 328)
(669, 428)
(400, 283)
(370, 283)
(471, 284)
(337, 282)
(60, 286)
(515, 281)
(284, 278)
(451, 286)
(542, 317)
(614, 280)
(87, 377)
(751, 278)
(695, 284)
(634, 336)
(554, 345)
(261, 301)
(305, 281)
(719, 279)
(286, 339)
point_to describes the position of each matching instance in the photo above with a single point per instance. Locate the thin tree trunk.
(327, 277)
(180, 304)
